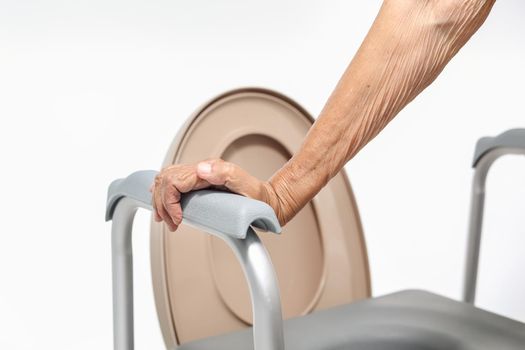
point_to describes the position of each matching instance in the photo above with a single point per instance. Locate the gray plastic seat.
(408, 320)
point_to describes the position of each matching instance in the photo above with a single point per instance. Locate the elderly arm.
(406, 48)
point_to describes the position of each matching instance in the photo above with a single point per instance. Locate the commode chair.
(225, 279)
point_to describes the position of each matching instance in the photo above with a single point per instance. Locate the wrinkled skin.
(182, 178)
(407, 47)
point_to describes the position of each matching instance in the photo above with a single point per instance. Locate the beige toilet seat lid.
(320, 258)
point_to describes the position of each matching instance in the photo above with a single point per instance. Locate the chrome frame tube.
(264, 291)
(122, 269)
(482, 168)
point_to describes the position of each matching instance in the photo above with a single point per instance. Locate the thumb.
(233, 177)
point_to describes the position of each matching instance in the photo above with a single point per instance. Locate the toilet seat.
(320, 258)
(407, 320)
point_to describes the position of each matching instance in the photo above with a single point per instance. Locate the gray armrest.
(135, 186)
(511, 139)
(211, 210)
(226, 215)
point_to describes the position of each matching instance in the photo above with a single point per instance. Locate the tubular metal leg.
(474, 234)
(482, 168)
(264, 291)
(122, 265)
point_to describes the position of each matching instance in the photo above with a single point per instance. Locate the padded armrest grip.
(227, 213)
(217, 212)
(514, 138)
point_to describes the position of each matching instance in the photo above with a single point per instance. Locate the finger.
(157, 216)
(215, 171)
(171, 202)
(233, 177)
(155, 184)
(161, 210)
(153, 204)
(185, 181)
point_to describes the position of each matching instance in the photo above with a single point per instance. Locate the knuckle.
(217, 163)
(229, 169)
(178, 178)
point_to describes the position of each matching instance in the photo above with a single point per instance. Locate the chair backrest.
(320, 258)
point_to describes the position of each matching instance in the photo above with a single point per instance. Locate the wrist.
(271, 196)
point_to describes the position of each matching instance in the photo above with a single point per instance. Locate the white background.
(92, 90)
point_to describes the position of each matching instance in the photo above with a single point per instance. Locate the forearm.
(408, 45)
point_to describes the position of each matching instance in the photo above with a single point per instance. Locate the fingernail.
(204, 168)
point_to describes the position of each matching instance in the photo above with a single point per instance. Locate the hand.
(182, 178)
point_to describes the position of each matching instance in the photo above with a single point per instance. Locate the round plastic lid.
(320, 258)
